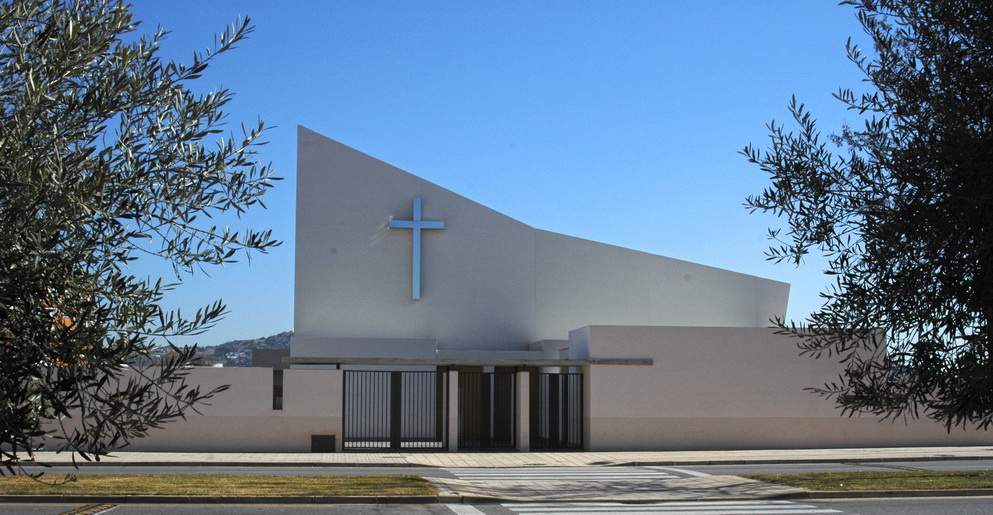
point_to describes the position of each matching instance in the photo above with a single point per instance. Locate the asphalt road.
(439, 472)
(913, 506)
(905, 506)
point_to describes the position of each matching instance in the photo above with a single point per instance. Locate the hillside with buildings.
(238, 353)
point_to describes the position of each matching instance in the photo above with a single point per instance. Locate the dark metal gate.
(556, 410)
(404, 410)
(487, 410)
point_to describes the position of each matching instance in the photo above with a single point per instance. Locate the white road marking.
(91, 509)
(688, 472)
(562, 473)
(464, 509)
(669, 503)
(770, 507)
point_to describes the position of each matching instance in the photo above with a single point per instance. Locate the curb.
(865, 494)
(423, 465)
(81, 464)
(438, 499)
(798, 461)
(464, 499)
(178, 499)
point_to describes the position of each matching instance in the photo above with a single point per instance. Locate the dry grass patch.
(221, 485)
(895, 480)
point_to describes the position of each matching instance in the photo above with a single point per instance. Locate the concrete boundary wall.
(709, 388)
(241, 419)
(716, 388)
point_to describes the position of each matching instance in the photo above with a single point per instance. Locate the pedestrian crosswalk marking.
(766, 502)
(640, 476)
(563, 473)
(771, 507)
(464, 509)
(688, 472)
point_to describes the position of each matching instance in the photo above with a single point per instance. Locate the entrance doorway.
(556, 410)
(394, 410)
(487, 410)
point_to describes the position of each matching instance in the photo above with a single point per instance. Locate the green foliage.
(902, 208)
(106, 156)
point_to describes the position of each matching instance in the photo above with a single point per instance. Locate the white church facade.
(426, 321)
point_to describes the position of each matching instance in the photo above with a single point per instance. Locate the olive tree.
(107, 158)
(900, 204)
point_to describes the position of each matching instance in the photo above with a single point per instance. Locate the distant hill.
(238, 353)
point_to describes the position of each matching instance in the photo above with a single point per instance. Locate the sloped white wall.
(353, 273)
(582, 282)
(488, 281)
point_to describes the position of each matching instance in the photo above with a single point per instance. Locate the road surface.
(911, 506)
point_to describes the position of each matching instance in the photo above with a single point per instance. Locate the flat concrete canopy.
(467, 362)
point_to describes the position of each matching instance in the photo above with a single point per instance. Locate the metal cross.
(415, 227)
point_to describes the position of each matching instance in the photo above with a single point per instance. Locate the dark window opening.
(277, 389)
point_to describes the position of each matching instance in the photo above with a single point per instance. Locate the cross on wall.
(416, 225)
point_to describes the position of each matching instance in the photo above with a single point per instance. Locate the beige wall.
(709, 388)
(488, 281)
(241, 419)
(725, 388)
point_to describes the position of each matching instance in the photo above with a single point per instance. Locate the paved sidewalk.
(545, 459)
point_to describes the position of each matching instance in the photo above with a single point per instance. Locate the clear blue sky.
(613, 121)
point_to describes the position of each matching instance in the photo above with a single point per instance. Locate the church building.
(426, 321)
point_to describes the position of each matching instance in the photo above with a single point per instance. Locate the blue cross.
(415, 227)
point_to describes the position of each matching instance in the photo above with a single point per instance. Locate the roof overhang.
(467, 361)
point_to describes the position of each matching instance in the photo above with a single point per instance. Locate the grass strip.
(883, 480)
(222, 485)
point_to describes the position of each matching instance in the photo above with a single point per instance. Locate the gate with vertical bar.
(556, 410)
(394, 410)
(487, 410)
